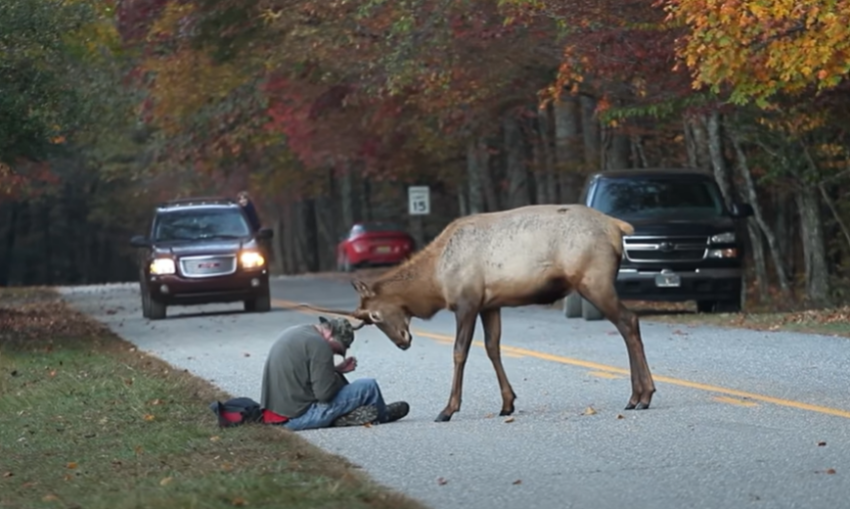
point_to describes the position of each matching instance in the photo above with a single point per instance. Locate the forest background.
(327, 111)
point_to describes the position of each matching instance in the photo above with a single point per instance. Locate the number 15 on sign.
(419, 200)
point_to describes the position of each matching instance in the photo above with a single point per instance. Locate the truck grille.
(665, 249)
(207, 266)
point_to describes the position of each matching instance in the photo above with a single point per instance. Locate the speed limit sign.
(419, 200)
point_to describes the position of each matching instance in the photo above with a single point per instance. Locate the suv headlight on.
(723, 238)
(160, 266)
(251, 260)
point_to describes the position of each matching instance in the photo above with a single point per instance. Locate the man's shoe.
(397, 410)
(357, 417)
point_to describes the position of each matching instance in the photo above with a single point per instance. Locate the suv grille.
(664, 249)
(208, 266)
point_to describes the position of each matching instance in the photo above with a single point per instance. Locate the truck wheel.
(261, 304)
(722, 306)
(728, 306)
(589, 311)
(156, 310)
(572, 305)
(705, 306)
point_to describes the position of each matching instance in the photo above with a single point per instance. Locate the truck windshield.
(647, 197)
(199, 224)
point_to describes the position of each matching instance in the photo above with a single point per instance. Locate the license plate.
(382, 249)
(668, 280)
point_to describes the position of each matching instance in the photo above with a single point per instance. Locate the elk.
(481, 263)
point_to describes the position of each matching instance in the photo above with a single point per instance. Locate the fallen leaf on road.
(489, 416)
(518, 481)
(620, 416)
(509, 419)
(165, 481)
(677, 331)
(830, 471)
(821, 444)
(441, 481)
(246, 354)
(589, 411)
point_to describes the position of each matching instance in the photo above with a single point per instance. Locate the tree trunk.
(638, 154)
(814, 254)
(347, 198)
(618, 152)
(491, 195)
(773, 246)
(517, 172)
(591, 136)
(548, 154)
(701, 155)
(474, 173)
(567, 148)
(9, 244)
(835, 215)
(718, 160)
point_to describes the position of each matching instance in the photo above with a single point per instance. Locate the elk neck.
(414, 285)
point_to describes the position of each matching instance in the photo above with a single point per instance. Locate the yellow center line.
(603, 374)
(595, 366)
(735, 401)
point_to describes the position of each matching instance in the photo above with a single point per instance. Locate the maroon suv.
(201, 251)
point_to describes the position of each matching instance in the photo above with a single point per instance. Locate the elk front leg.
(604, 297)
(492, 321)
(465, 319)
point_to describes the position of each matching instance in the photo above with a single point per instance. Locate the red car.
(373, 243)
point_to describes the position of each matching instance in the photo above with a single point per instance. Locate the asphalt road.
(736, 421)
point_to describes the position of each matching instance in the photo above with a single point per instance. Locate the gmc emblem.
(207, 265)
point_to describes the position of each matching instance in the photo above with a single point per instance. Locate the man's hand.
(347, 366)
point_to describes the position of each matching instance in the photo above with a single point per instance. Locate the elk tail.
(624, 227)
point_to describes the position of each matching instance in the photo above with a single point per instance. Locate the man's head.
(243, 198)
(338, 330)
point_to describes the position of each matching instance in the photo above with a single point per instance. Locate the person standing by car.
(301, 382)
(248, 206)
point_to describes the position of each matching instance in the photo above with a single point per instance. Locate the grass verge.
(830, 322)
(86, 421)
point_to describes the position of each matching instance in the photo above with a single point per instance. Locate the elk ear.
(362, 289)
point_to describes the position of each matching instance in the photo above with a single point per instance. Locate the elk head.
(387, 314)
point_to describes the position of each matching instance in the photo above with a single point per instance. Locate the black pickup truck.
(687, 243)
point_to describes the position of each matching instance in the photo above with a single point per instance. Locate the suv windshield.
(647, 197)
(199, 224)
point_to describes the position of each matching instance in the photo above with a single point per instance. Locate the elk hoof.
(443, 417)
(642, 406)
(506, 412)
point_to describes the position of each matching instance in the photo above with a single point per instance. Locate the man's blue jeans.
(361, 392)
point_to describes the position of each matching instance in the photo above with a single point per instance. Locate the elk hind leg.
(465, 320)
(492, 321)
(601, 293)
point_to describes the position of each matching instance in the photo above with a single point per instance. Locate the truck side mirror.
(742, 210)
(139, 241)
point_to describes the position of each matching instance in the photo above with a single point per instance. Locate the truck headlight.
(251, 260)
(723, 238)
(162, 266)
(730, 252)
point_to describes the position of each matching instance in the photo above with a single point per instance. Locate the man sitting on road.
(301, 382)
